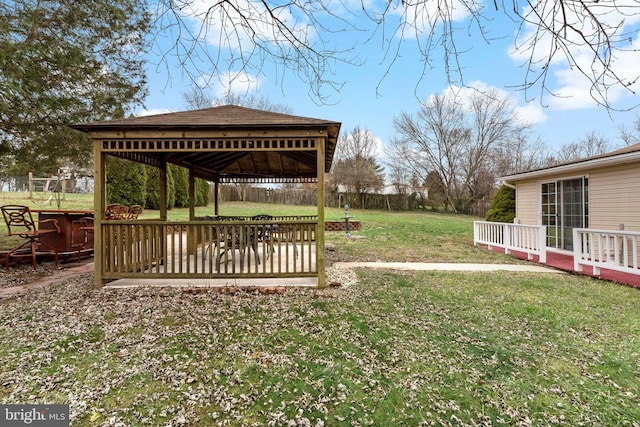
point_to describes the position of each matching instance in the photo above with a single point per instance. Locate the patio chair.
(87, 228)
(285, 233)
(134, 212)
(263, 231)
(233, 238)
(214, 230)
(20, 223)
(115, 211)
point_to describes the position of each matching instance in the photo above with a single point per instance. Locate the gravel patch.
(22, 274)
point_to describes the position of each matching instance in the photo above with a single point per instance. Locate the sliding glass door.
(564, 206)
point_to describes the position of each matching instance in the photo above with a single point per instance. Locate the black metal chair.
(20, 223)
(286, 233)
(232, 237)
(263, 231)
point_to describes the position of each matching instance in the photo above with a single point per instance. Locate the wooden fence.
(308, 197)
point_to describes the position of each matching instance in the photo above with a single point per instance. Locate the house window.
(564, 206)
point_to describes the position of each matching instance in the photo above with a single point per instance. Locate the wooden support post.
(163, 188)
(216, 189)
(163, 206)
(99, 205)
(192, 244)
(322, 277)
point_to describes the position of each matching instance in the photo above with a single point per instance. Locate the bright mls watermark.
(34, 415)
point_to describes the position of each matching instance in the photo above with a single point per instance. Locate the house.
(585, 211)
(600, 192)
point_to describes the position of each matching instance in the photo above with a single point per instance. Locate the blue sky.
(559, 121)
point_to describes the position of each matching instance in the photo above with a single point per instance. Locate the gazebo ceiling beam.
(307, 159)
(215, 161)
(263, 164)
(144, 158)
(219, 160)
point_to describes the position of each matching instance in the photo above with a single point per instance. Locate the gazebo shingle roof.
(223, 116)
(242, 123)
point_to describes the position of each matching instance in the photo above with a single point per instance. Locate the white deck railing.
(530, 239)
(613, 250)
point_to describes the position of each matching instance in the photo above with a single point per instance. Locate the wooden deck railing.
(613, 250)
(131, 246)
(233, 247)
(530, 239)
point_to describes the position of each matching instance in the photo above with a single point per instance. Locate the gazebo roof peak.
(221, 116)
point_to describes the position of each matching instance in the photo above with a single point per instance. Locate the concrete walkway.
(87, 267)
(425, 266)
(313, 282)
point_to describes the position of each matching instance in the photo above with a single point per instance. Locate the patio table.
(72, 239)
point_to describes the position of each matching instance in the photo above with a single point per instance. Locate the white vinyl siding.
(527, 202)
(614, 197)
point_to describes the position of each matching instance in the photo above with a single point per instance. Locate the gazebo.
(226, 144)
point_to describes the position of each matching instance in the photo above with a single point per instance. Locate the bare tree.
(309, 38)
(520, 154)
(591, 145)
(437, 192)
(209, 39)
(198, 98)
(259, 102)
(399, 176)
(631, 136)
(458, 140)
(355, 166)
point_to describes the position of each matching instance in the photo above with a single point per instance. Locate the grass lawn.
(423, 348)
(389, 236)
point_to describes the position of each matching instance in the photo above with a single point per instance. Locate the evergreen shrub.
(503, 206)
(126, 182)
(153, 188)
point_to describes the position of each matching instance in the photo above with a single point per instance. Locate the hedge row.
(131, 183)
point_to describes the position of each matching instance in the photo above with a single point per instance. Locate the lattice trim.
(114, 145)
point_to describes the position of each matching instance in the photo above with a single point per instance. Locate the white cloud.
(571, 89)
(154, 111)
(531, 113)
(240, 27)
(379, 149)
(425, 16)
(574, 90)
(237, 83)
